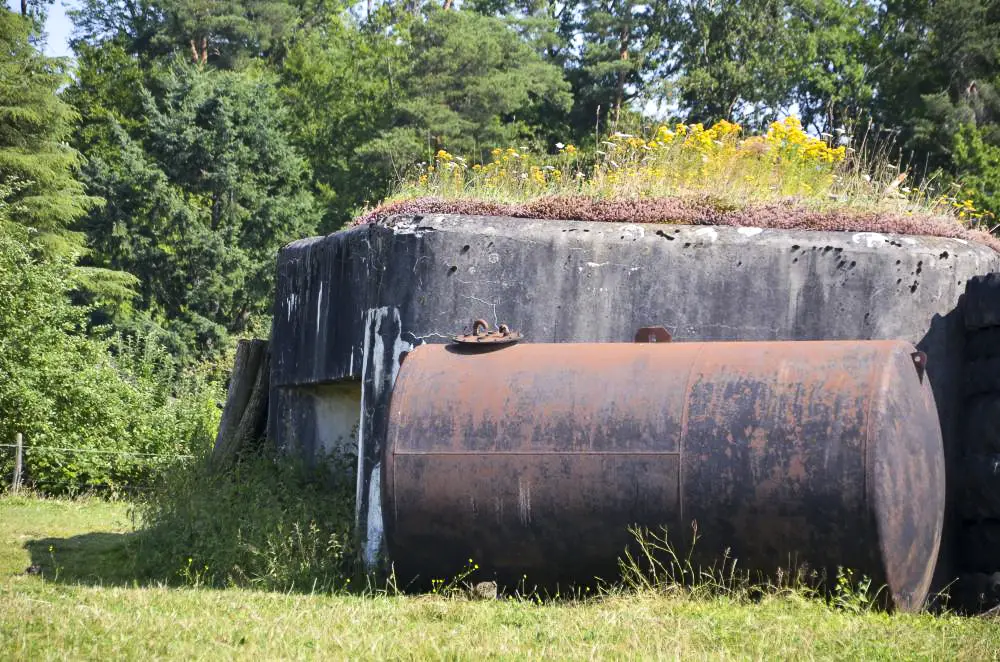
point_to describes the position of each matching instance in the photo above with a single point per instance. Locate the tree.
(833, 43)
(469, 81)
(344, 83)
(936, 71)
(37, 167)
(223, 33)
(754, 60)
(200, 199)
(617, 38)
(62, 388)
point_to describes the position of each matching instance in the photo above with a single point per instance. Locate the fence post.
(19, 442)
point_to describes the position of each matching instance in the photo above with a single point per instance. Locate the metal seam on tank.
(874, 385)
(683, 433)
(532, 453)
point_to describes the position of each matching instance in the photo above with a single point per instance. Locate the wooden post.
(244, 419)
(15, 486)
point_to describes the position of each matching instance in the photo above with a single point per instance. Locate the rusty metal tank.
(534, 459)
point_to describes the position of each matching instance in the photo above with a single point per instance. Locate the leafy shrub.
(119, 405)
(271, 524)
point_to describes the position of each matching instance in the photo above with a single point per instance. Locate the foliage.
(468, 80)
(37, 168)
(224, 33)
(269, 524)
(977, 161)
(936, 71)
(200, 198)
(113, 403)
(749, 62)
(342, 83)
(618, 38)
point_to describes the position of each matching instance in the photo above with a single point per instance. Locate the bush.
(270, 524)
(119, 405)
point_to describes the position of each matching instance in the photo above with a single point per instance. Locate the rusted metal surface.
(481, 335)
(653, 334)
(533, 459)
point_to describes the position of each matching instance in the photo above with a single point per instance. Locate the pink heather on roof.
(783, 215)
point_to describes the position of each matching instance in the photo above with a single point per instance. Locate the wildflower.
(570, 149)
(559, 146)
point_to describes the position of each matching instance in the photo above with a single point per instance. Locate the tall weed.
(270, 524)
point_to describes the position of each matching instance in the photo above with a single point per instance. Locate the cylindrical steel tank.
(534, 459)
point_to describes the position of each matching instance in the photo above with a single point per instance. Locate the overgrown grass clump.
(691, 174)
(267, 523)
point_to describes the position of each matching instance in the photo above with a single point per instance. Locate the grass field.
(86, 604)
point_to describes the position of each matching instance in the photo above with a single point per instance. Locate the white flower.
(559, 145)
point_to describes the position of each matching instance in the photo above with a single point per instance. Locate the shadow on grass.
(95, 559)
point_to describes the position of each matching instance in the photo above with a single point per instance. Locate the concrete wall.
(348, 305)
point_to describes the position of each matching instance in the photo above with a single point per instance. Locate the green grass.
(86, 605)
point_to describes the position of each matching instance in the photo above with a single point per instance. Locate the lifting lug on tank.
(481, 335)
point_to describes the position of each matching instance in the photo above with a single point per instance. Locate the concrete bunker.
(349, 305)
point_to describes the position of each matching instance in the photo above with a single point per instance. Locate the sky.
(58, 29)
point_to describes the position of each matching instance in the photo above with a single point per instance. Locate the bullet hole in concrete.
(853, 264)
(795, 260)
(943, 256)
(452, 269)
(795, 247)
(687, 245)
(919, 267)
(899, 281)
(827, 249)
(913, 288)
(899, 262)
(661, 233)
(740, 263)
(465, 249)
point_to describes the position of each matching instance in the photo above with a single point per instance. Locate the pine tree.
(37, 167)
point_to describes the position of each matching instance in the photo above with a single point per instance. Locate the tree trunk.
(244, 419)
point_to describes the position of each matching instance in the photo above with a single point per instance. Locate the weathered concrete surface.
(348, 305)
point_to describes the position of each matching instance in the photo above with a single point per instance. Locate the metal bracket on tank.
(920, 363)
(650, 334)
(481, 335)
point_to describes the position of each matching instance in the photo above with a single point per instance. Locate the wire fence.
(96, 451)
(22, 450)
